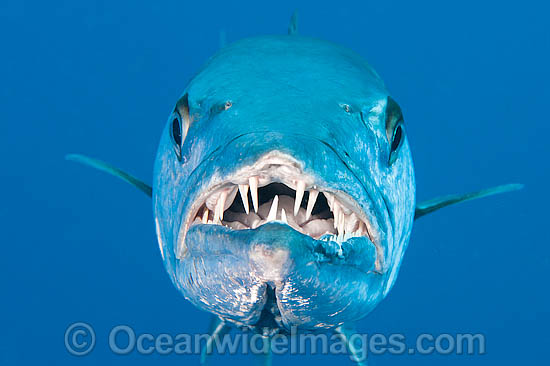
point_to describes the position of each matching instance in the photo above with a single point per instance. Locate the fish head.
(284, 187)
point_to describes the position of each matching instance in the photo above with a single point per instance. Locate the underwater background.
(101, 77)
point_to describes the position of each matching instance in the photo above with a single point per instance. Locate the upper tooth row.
(252, 186)
(346, 226)
(221, 201)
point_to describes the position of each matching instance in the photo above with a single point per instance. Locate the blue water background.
(100, 77)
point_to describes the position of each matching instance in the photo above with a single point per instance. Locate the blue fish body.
(285, 109)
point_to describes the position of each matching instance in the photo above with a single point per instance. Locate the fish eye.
(179, 125)
(396, 142)
(395, 130)
(176, 132)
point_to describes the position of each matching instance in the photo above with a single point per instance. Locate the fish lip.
(318, 243)
(371, 220)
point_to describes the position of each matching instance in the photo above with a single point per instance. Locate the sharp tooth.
(272, 216)
(361, 229)
(311, 202)
(243, 190)
(336, 214)
(220, 206)
(330, 200)
(300, 187)
(283, 216)
(205, 216)
(341, 222)
(255, 223)
(253, 182)
(216, 218)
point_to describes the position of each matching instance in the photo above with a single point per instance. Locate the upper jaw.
(276, 189)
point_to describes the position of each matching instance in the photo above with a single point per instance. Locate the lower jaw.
(317, 284)
(358, 252)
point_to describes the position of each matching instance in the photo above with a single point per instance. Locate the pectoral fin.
(293, 25)
(346, 335)
(218, 328)
(432, 205)
(100, 165)
(265, 358)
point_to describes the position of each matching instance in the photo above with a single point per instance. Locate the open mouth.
(275, 189)
(312, 212)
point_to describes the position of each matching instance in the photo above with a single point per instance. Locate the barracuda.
(283, 189)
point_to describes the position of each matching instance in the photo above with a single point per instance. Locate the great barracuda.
(283, 188)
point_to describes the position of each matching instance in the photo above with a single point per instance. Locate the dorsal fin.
(435, 204)
(293, 25)
(108, 168)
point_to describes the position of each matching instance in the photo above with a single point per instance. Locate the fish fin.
(218, 328)
(265, 358)
(345, 332)
(100, 165)
(293, 25)
(435, 204)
